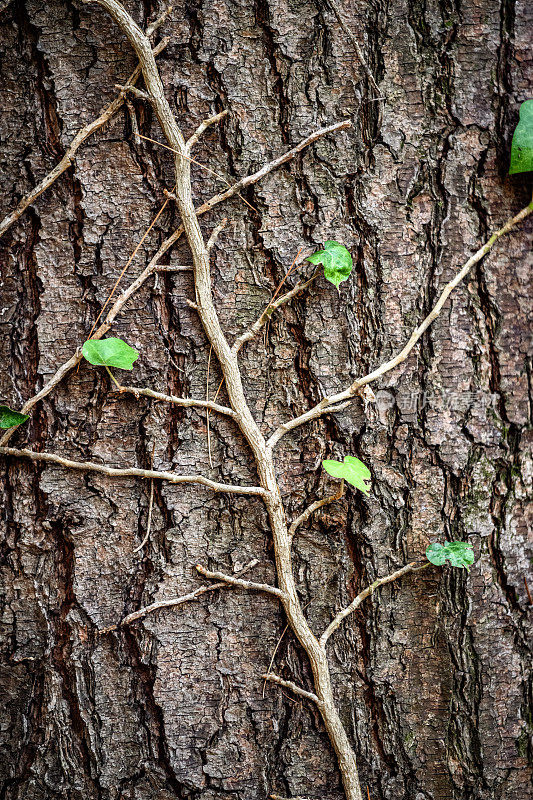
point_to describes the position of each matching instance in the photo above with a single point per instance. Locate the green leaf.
(436, 554)
(459, 554)
(10, 418)
(109, 353)
(337, 262)
(351, 470)
(522, 144)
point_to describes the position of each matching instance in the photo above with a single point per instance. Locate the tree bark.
(432, 676)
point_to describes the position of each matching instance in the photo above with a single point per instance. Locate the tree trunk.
(432, 675)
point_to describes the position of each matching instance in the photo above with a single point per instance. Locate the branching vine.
(107, 353)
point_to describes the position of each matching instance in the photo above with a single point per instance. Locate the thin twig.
(83, 134)
(271, 663)
(327, 405)
(174, 601)
(253, 587)
(314, 507)
(133, 121)
(171, 195)
(131, 472)
(138, 93)
(128, 262)
(267, 313)
(356, 602)
(273, 678)
(216, 233)
(159, 21)
(185, 402)
(202, 127)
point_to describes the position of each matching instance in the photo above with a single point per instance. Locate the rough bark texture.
(432, 676)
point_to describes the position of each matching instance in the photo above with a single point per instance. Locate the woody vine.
(112, 353)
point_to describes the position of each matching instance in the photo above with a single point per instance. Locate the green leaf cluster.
(351, 470)
(10, 418)
(522, 144)
(109, 353)
(459, 554)
(337, 261)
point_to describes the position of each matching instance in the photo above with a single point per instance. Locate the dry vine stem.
(227, 355)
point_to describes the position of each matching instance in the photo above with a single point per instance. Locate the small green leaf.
(351, 470)
(436, 554)
(337, 262)
(10, 418)
(459, 554)
(522, 144)
(109, 353)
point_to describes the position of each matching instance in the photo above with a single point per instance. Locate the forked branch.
(203, 127)
(328, 404)
(83, 134)
(171, 602)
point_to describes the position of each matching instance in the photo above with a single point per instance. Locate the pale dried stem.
(273, 678)
(216, 233)
(175, 601)
(264, 171)
(131, 472)
(356, 602)
(149, 522)
(250, 585)
(327, 405)
(267, 313)
(138, 93)
(202, 127)
(185, 402)
(314, 507)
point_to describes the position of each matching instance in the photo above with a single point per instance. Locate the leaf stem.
(117, 384)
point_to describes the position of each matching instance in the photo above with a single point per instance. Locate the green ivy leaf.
(522, 144)
(337, 262)
(351, 470)
(109, 353)
(10, 418)
(459, 554)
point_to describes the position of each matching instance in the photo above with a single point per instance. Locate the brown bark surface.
(433, 675)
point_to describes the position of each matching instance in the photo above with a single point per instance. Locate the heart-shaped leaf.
(522, 144)
(459, 554)
(337, 262)
(109, 353)
(10, 418)
(351, 470)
